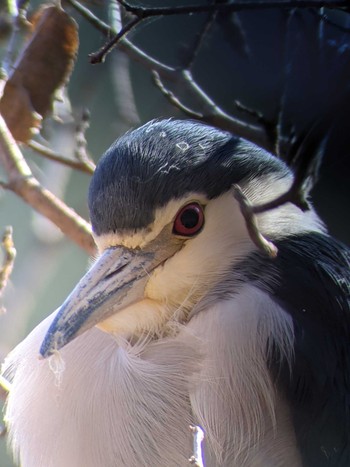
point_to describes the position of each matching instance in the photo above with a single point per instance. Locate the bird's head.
(167, 227)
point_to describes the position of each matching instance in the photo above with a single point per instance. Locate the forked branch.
(21, 181)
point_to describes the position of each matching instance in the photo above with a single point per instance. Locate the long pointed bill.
(115, 281)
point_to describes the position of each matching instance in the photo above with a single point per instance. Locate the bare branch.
(125, 45)
(146, 60)
(198, 435)
(306, 157)
(262, 133)
(238, 5)
(325, 19)
(96, 22)
(9, 257)
(173, 99)
(83, 125)
(86, 166)
(22, 182)
(20, 26)
(142, 13)
(115, 16)
(306, 165)
(294, 195)
(248, 213)
(212, 113)
(200, 39)
(100, 55)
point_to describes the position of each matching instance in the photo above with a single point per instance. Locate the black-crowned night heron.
(199, 325)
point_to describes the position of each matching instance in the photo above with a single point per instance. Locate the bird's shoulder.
(310, 279)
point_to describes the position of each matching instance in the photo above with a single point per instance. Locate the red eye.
(189, 220)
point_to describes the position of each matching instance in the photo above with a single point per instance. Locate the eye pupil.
(189, 220)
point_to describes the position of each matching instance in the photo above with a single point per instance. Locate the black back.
(314, 288)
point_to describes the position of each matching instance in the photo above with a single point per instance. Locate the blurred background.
(282, 68)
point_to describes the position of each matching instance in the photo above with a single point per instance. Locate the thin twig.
(200, 39)
(115, 16)
(146, 60)
(238, 5)
(197, 458)
(9, 257)
(174, 100)
(306, 158)
(256, 236)
(294, 195)
(260, 133)
(22, 182)
(258, 117)
(212, 113)
(9, 57)
(80, 152)
(325, 19)
(96, 22)
(100, 55)
(86, 166)
(125, 45)
(143, 13)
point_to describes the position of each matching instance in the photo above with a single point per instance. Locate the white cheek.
(199, 264)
